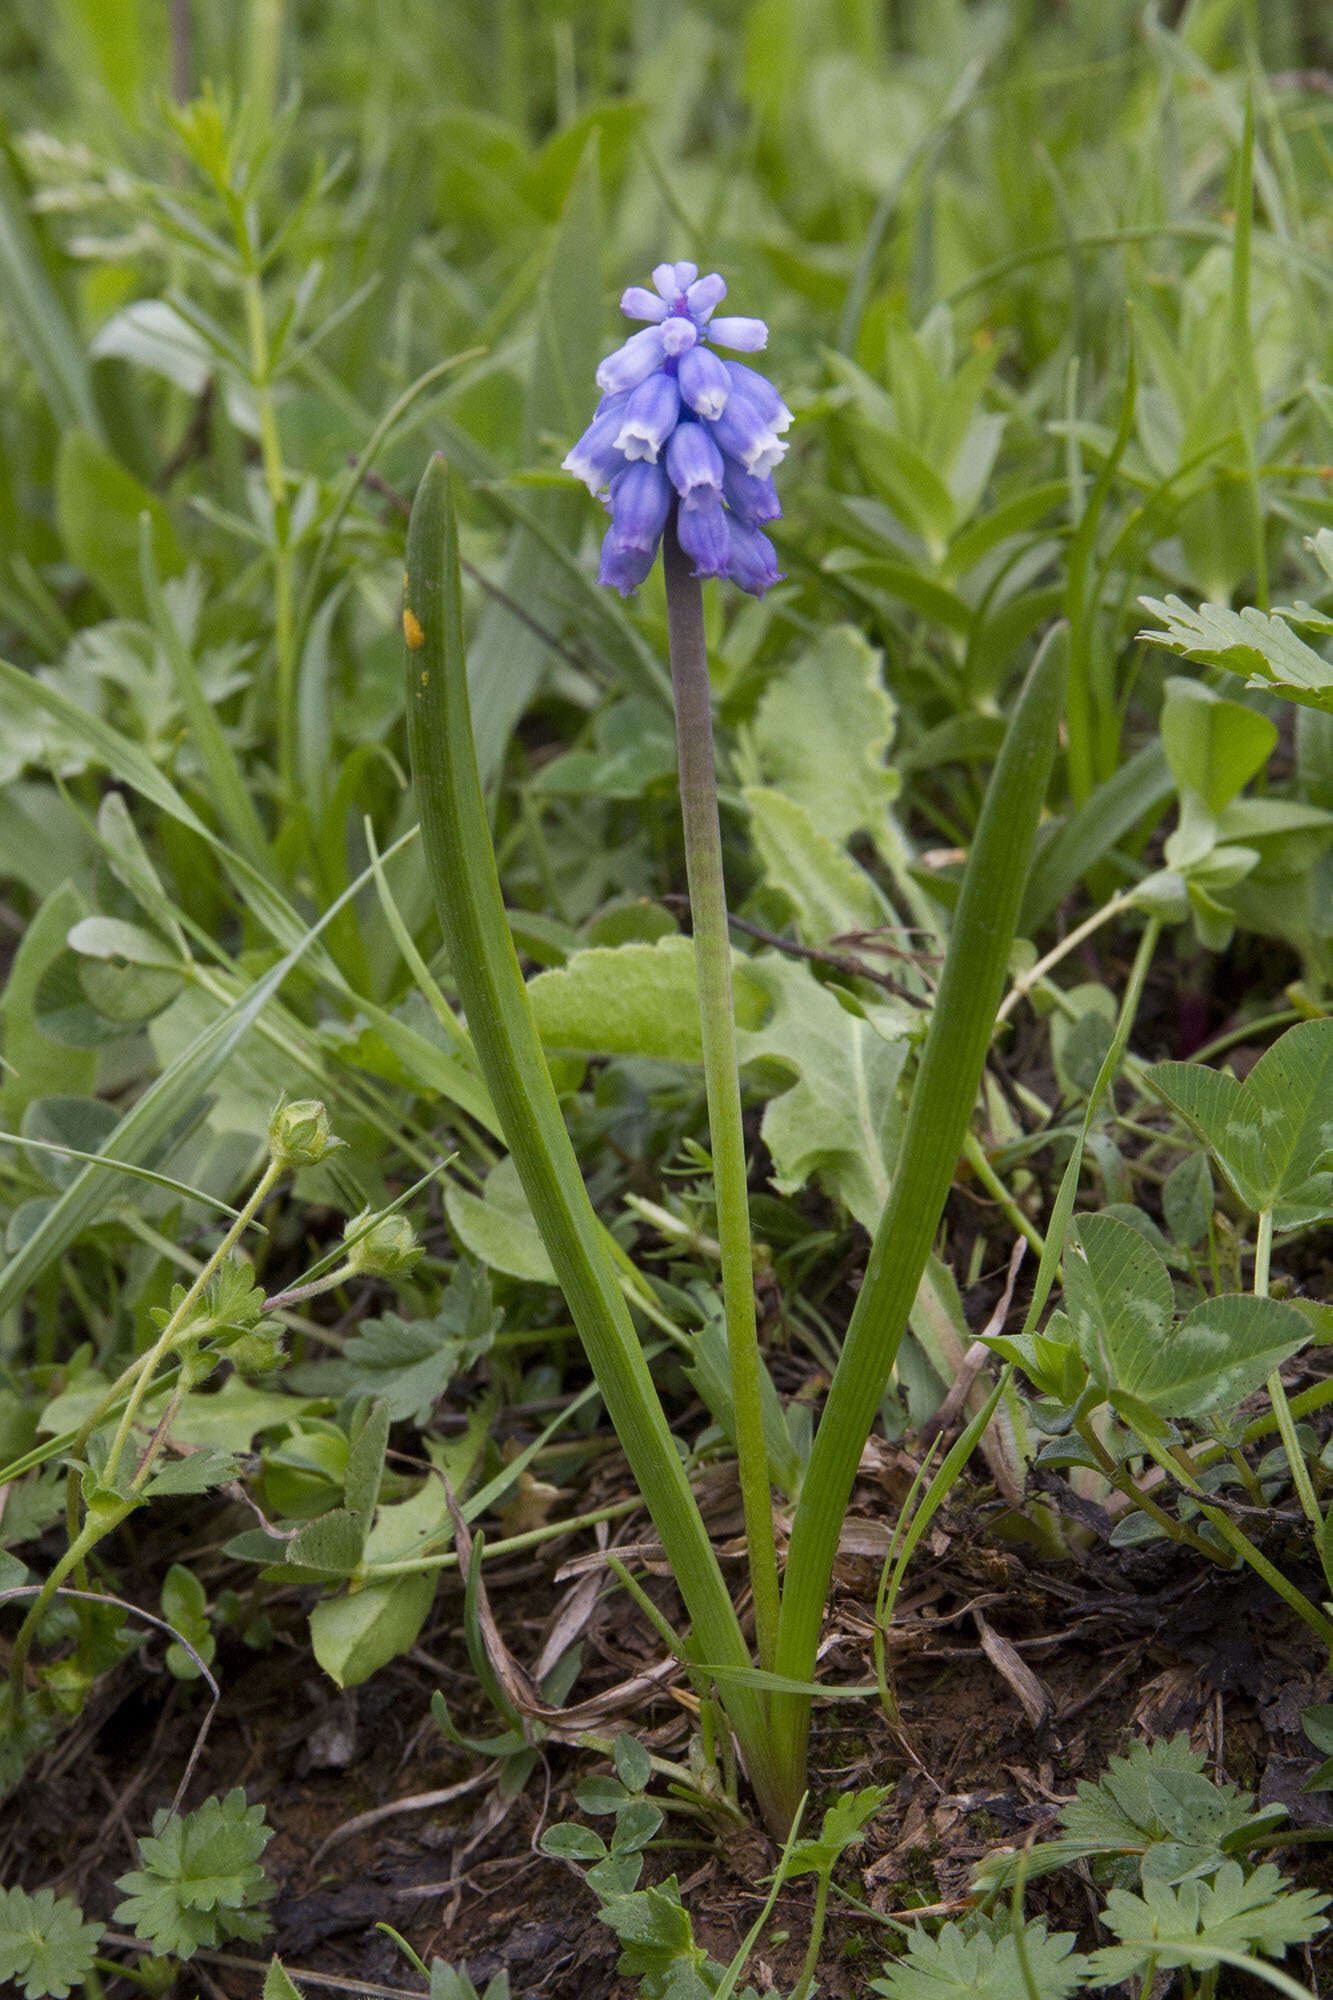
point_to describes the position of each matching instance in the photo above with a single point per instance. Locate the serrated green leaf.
(278, 1983)
(982, 1962)
(197, 1472)
(46, 1946)
(1193, 1923)
(1154, 1803)
(1254, 643)
(451, 1982)
(409, 1364)
(844, 1826)
(199, 1879)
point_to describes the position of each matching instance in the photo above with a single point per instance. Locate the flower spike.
(680, 428)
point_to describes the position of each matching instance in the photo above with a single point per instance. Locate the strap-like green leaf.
(463, 875)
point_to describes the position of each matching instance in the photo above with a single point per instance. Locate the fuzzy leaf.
(633, 1000)
(822, 731)
(840, 1121)
(829, 894)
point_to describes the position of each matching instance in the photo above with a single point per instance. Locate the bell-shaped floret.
(751, 500)
(633, 363)
(694, 464)
(704, 382)
(705, 535)
(639, 503)
(649, 417)
(754, 560)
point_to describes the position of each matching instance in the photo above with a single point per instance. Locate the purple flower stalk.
(680, 428)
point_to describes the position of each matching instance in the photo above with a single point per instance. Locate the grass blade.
(943, 1099)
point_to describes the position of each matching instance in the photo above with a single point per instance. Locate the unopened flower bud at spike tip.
(639, 303)
(680, 428)
(745, 336)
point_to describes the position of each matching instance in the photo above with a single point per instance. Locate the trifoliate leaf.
(200, 1878)
(44, 1943)
(983, 1963)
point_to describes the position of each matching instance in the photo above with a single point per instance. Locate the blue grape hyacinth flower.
(679, 426)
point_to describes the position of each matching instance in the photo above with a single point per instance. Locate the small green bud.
(299, 1134)
(260, 1351)
(389, 1245)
